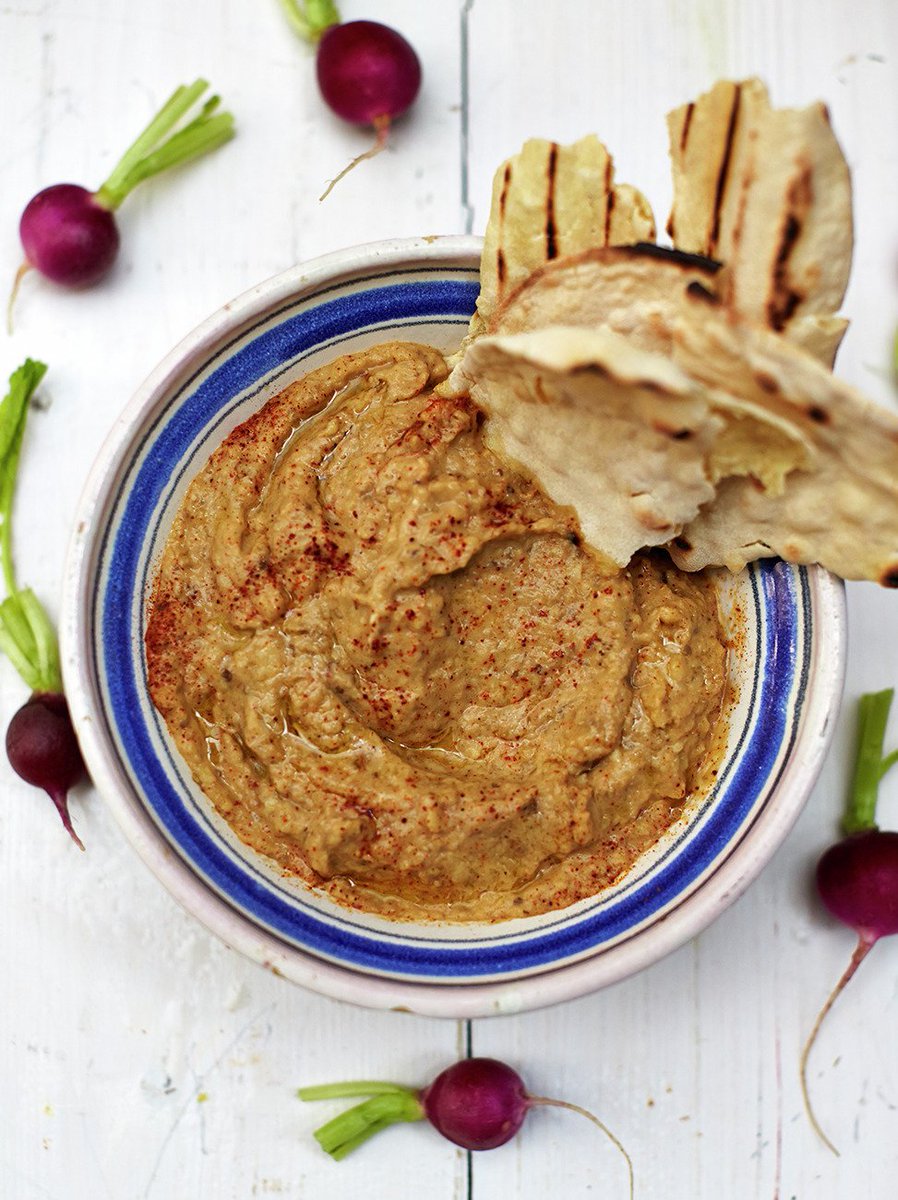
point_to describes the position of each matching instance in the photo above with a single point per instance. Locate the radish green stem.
(310, 18)
(27, 635)
(871, 766)
(149, 153)
(9, 460)
(11, 643)
(13, 412)
(348, 1146)
(387, 1104)
(354, 1087)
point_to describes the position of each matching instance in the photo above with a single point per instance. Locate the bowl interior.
(424, 292)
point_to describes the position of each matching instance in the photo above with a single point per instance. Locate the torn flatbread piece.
(550, 201)
(841, 508)
(616, 432)
(768, 192)
(622, 287)
(801, 464)
(641, 292)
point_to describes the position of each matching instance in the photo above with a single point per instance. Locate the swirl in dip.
(394, 669)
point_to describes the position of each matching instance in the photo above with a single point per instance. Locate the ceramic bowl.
(788, 669)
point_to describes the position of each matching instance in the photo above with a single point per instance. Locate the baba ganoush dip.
(394, 669)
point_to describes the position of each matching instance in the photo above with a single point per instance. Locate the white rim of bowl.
(456, 1000)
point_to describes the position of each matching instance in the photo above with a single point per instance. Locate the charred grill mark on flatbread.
(609, 199)
(784, 298)
(724, 171)
(741, 206)
(671, 254)
(766, 383)
(503, 195)
(653, 386)
(682, 543)
(677, 433)
(601, 371)
(687, 121)
(503, 201)
(889, 577)
(551, 235)
(700, 292)
(818, 414)
(595, 369)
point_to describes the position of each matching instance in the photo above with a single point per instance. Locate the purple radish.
(69, 234)
(477, 1103)
(41, 747)
(40, 741)
(857, 878)
(368, 74)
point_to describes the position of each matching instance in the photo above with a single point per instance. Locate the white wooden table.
(139, 1058)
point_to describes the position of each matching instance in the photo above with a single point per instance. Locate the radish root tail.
(382, 128)
(62, 807)
(20, 275)
(584, 1112)
(861, 950)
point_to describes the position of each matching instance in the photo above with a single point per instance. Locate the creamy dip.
(394, 669)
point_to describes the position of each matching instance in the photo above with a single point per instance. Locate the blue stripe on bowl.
(782, 621)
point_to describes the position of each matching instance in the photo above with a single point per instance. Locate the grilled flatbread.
(683, 397)
(618, 433)
(622, 287)
(642, 292)
(840, 508)
(768, 192)
(799, 464)
(551, 201)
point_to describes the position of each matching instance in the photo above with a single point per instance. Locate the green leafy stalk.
(310, 18)
(13, 412)
(354, 1087)
(387, 1104)
(870, 765)
(154, 150)
(27, 635)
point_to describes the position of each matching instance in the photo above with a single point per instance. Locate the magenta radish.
(477, 1103)
(40, 742)
(69, 234)
(857, 878)
(42, 748)
(368, 74)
